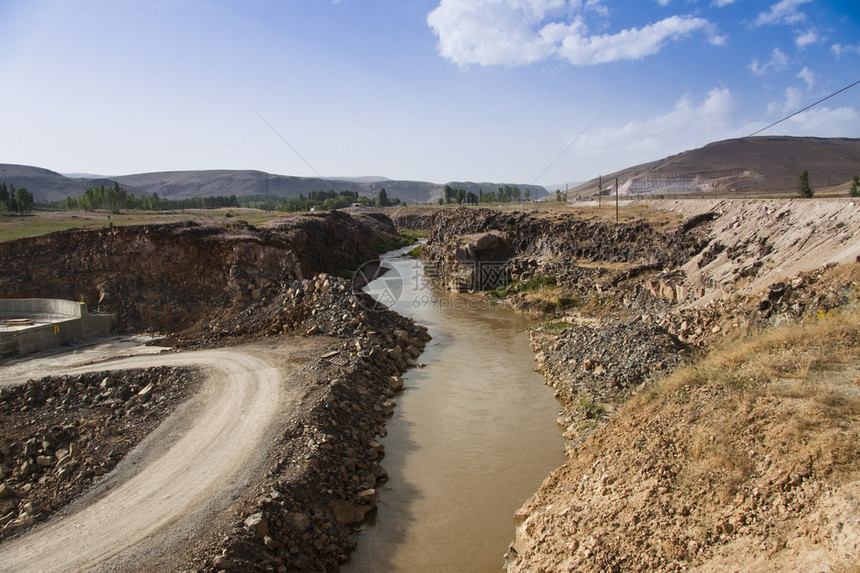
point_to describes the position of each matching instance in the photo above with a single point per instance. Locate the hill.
(47, 185)
(748, 166)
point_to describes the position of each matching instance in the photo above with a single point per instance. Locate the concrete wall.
(27, 307)
(66, 320)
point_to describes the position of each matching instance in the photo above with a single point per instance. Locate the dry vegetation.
(44, 222)
(744, 460)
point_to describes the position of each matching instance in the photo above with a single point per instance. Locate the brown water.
(472, 437)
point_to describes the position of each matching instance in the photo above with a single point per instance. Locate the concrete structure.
(31, 324)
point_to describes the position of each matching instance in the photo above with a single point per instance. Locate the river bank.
(628, 304)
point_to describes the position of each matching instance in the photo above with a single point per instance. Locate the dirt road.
(168, 488)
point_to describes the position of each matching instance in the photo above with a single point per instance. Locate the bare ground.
(184, 475)
(745, 459)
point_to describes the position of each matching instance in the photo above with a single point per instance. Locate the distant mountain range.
(49, 185)
(748, 166)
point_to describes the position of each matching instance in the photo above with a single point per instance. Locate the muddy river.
(472, 436)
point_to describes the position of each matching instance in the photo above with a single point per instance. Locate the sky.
(514, 91)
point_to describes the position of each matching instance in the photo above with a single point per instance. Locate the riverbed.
(472, 437)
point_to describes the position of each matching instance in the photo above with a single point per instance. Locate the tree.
(528, 194)
(382, 198)
(855, 187)
(803, 187)
(24, 199)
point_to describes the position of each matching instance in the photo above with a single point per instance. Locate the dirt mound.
(166, 278)
(744, 461)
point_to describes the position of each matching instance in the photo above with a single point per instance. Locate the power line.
(575, 139)
(804, 109)
(288, 144)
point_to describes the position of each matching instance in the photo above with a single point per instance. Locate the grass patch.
(567, 302)
(556, 327)
(790, 352)
(412, 235)
(43, 222)
(590, 410)
(537, 282)
(415, 252)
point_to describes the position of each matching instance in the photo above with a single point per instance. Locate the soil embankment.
(712, 470)
(313, 459)
(167, 278)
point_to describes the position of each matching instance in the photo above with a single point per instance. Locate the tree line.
(14, 200)
(506, 194)
(116, 199)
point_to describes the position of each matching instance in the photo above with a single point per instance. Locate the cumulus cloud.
(721, 3)
(632, 44)
(825, 122)
(777, 62)
(515, 32)
(791, 102)
(687, 125)
(805, 38)
(783, 12)
(839, 49)
(808, 76)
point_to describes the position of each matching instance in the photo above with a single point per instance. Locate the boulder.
(257, 525)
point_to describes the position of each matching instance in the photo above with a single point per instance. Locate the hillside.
(47, 185)
(748, 166)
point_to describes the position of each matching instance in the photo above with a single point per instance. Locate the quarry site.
(704, 354)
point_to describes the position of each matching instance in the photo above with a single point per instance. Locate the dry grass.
(44, 222)
(789, 352)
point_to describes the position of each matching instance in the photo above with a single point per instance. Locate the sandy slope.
(189, 468)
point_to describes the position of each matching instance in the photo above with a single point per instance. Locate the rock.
(347, 513)
(396, 383)
(299, 522)
(222, 563)
(368, 497)
(44, 461)
(257, 525)
(6, 491)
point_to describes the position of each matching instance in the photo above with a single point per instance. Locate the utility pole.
(616, 199)
(599, 189)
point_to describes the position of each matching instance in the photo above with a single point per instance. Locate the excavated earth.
(210, 287)
(708, 477)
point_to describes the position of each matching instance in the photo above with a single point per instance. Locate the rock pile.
(592, 367)
(60, 434)
(322, 478)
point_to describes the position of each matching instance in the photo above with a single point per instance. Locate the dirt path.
(169, 487)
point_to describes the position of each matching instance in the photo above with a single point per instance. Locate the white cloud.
(808, 76)
(721, 3)
(821, 122)
(686, 126)
(839, 49)
(809, 37)
(663, 2)
(793, 101)
(777, 62)
(783, 12)
(515, 32)
(632, 44)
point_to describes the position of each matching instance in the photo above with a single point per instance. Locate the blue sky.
(480, 90)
